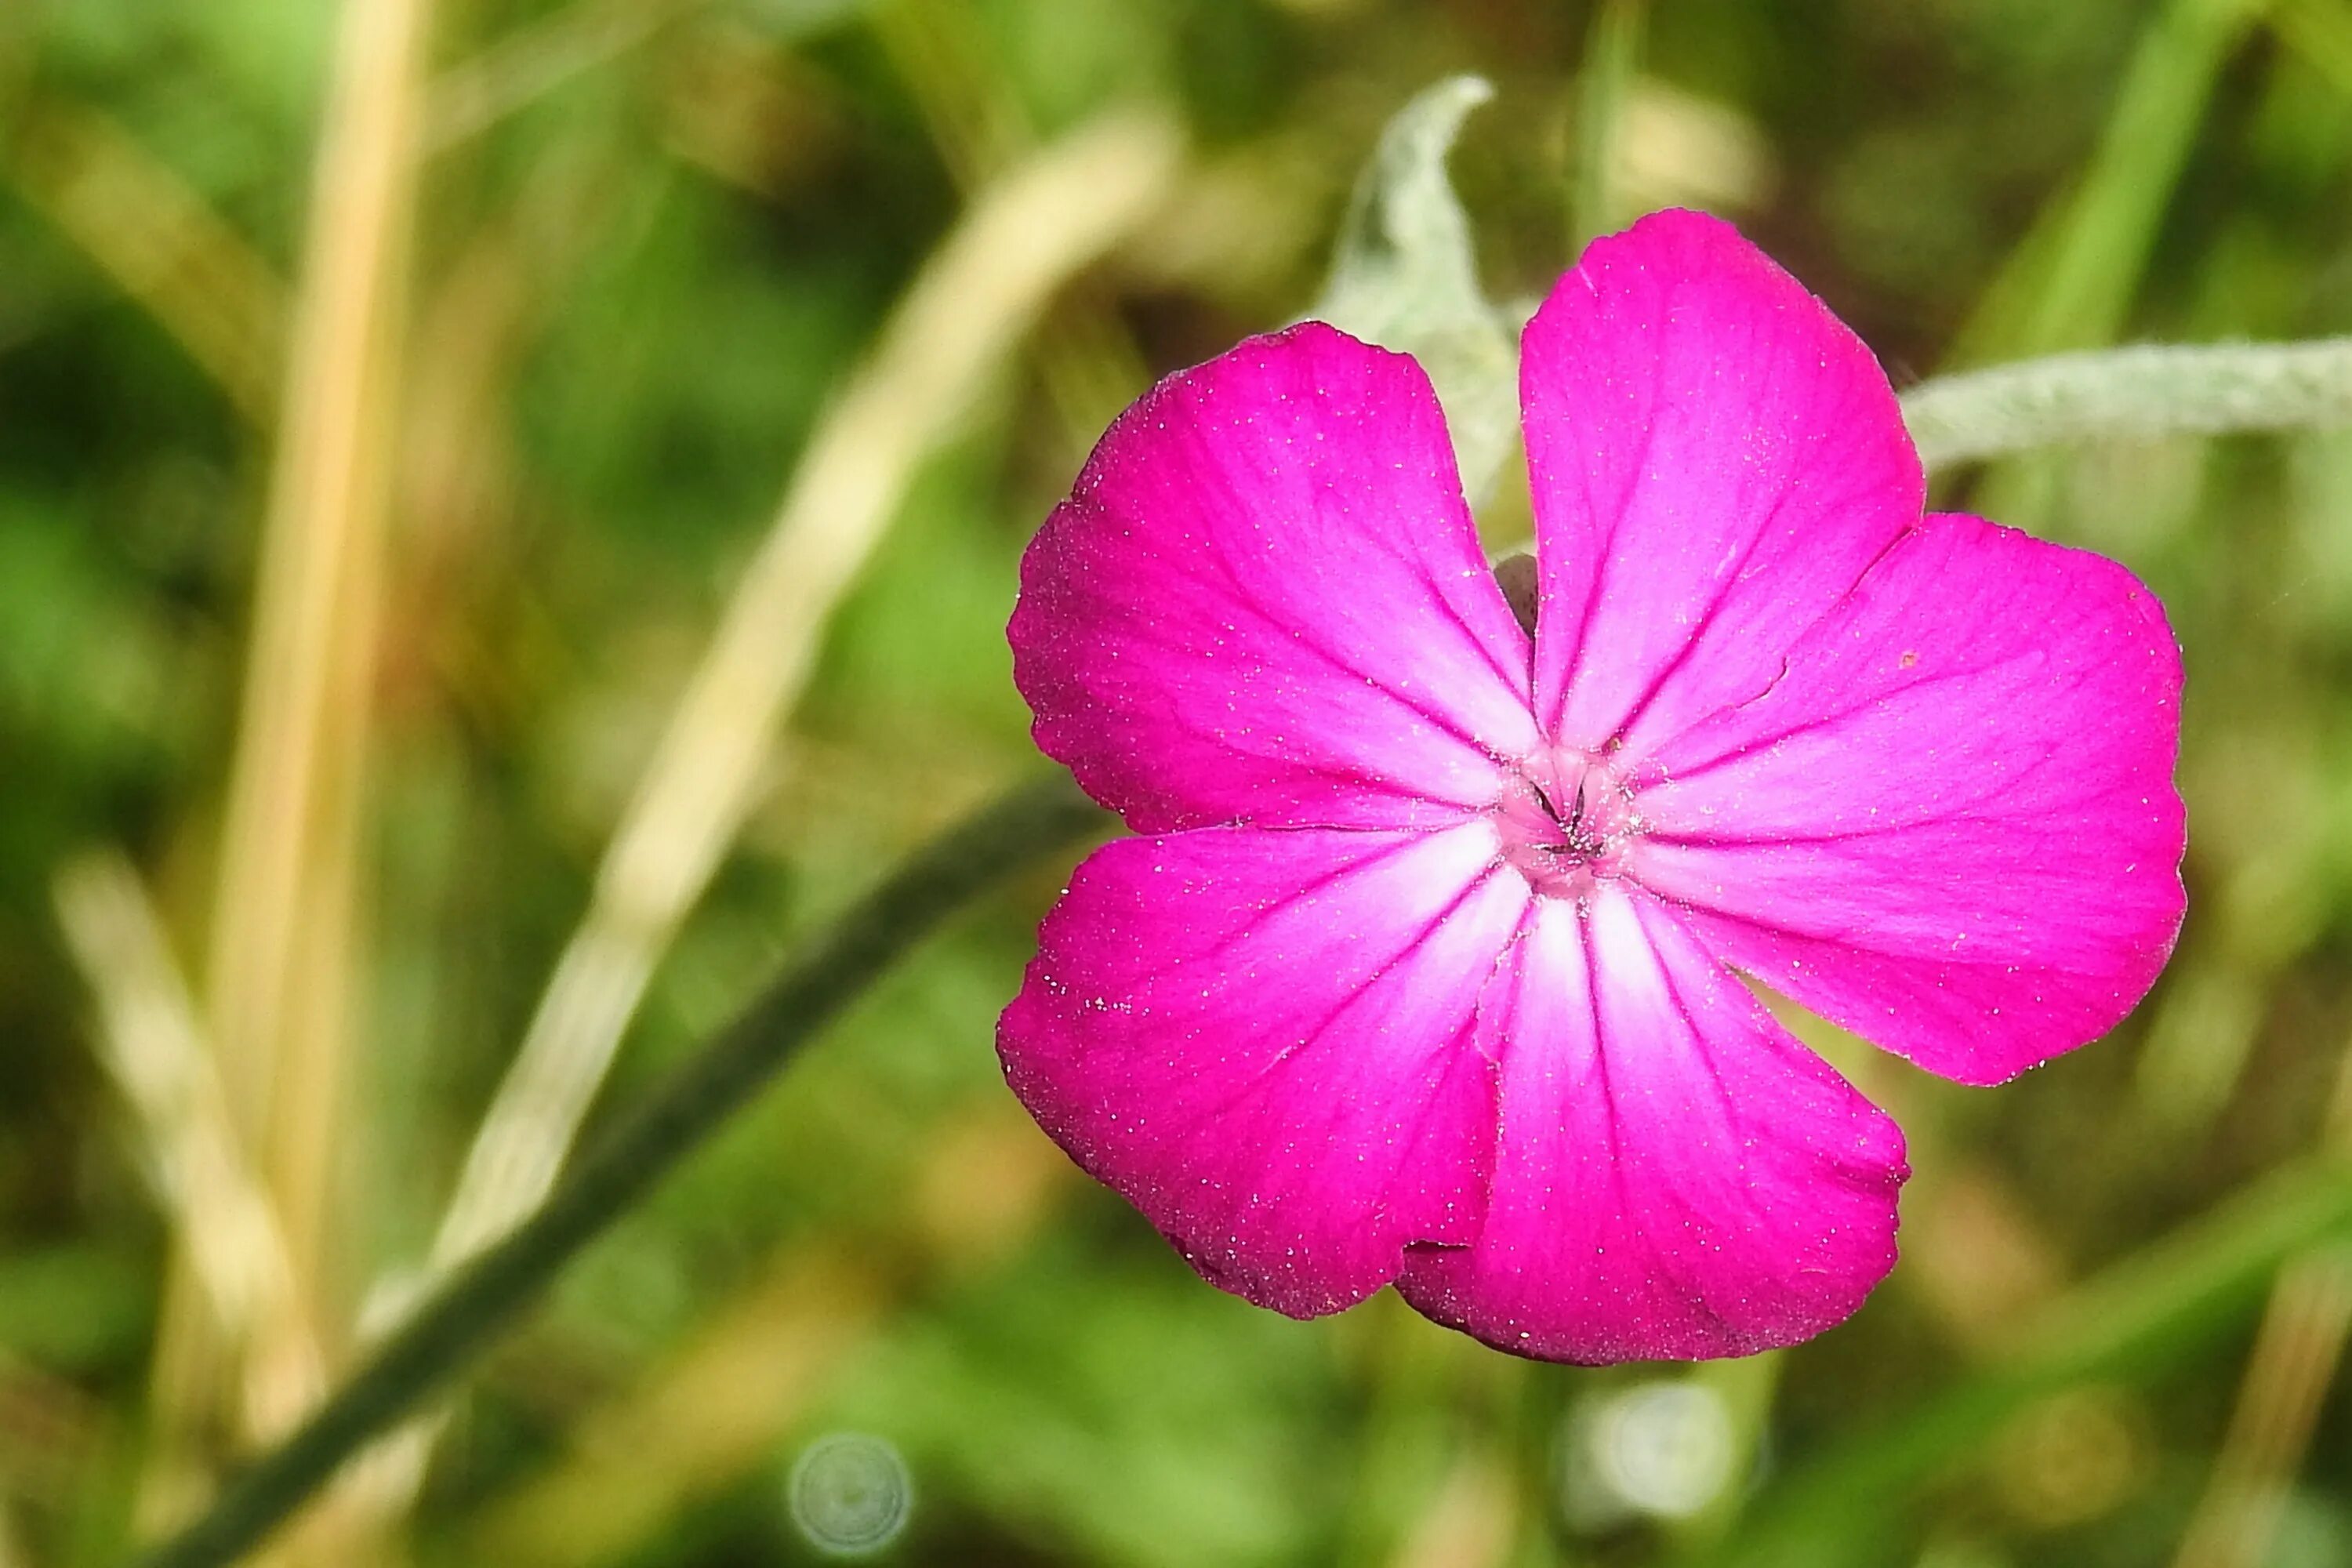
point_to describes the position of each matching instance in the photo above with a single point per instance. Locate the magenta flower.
(1422, 971)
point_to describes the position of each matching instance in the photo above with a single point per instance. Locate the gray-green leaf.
(1404, 276)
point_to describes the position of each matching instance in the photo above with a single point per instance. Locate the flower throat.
(1567, 821)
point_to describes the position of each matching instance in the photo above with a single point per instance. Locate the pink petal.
(1264, 602)
(1951, 826)
(1715, 460)
(1676, 1175)
(1263, 1041)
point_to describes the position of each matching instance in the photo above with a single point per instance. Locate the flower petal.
(1263, 1041)
(1951, 826)
(1715, 460)
(1264, 602)
(1676, 1176)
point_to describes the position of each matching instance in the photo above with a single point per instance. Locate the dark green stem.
(454, 1323)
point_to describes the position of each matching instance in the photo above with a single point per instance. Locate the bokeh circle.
(850, 1493)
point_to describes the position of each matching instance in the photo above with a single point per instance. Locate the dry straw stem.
(446, 1331)
(148, 1041)
(535, 60)
(280, 980)
(1024, 237)
(1086, 357)
(1052, 216)
(156, 237)
(2293, 1364)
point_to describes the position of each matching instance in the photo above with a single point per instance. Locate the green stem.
(2134, 393)
(1612, 52)
(457, 1321)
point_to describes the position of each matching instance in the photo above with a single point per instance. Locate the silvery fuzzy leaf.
(1403, 276)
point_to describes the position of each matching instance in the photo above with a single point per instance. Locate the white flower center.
(1567, 821)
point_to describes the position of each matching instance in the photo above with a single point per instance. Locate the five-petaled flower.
(1422, 969)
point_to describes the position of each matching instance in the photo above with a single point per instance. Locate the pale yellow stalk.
(149, 1040)
(1021, 239)
(280, 972)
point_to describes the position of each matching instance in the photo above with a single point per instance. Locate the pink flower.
(1421, 972)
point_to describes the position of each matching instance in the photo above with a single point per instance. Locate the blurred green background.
(363, 520)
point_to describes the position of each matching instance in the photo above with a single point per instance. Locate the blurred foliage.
(655, 235)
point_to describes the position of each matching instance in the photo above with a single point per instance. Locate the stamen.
(1562, 853)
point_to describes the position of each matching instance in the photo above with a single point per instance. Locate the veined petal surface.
(1428, 974)
(1715, 460)
(1264, 602)
(1675, 1175)
(1264, 1040)
(1951, 825)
